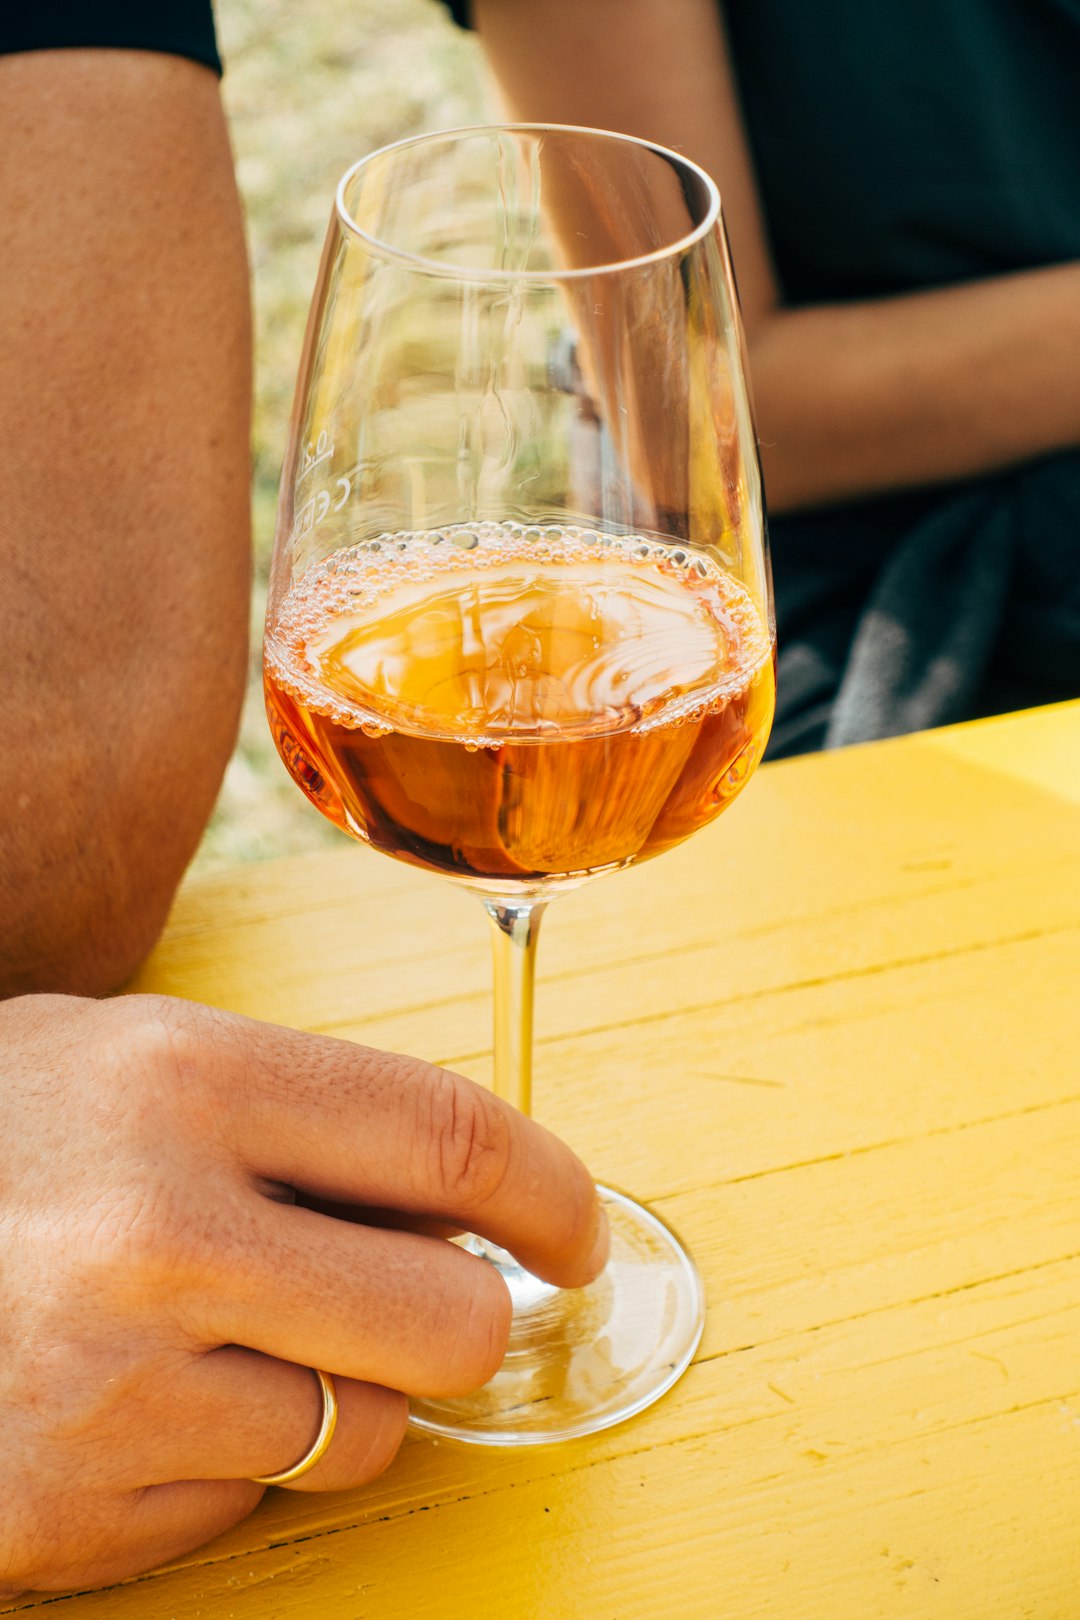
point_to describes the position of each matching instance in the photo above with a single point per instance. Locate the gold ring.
(321, 1443)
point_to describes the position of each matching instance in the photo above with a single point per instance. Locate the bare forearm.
(850, 399)
(654, 68)
(124, 535)
(853, 399)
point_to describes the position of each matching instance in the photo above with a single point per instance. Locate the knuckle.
(146, 1024)
(146, 1247)
(144, 1057)
(132, 1246)
(183, 1055)
(134, 1212)
(171, 1044)
(469, 1141)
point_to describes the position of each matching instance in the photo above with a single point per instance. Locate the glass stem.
(515, 925)
(514, 928)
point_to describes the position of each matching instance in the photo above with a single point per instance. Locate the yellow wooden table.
(835, 1041)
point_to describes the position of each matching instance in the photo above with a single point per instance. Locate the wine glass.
(519, 629)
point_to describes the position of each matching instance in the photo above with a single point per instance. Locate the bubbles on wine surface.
(411, 679)
(487, 633)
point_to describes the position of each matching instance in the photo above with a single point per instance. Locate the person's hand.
(165, 1286)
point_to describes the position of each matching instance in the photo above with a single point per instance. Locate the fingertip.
(588, 1253)
(500, 1320)
(569, 1247)
(601, 1248)
(483, 1336)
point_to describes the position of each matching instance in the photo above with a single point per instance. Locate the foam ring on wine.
(355, 587)
(604, 687)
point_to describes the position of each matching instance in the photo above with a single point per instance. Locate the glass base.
(582, 1359)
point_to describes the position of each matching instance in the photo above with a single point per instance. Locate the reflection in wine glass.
(519, 629)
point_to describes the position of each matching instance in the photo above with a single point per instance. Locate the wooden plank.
(819, 841)
(852, 1472)
(1041, 748)
(834, 1040)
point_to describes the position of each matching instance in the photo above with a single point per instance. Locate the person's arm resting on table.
(852, 399)
(124, 525)
(164, 1286)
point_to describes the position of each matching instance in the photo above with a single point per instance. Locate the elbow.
(87, 880)
(103, 828)
(89, 916)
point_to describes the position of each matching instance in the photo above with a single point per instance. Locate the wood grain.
(834, 1041)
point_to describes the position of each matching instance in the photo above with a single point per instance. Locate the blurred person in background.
(901, 193)
(166, 1286)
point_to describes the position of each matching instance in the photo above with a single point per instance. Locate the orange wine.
(517, 706)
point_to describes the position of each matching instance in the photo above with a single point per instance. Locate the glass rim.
(443, 267)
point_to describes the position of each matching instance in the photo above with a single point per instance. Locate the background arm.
(852, 399)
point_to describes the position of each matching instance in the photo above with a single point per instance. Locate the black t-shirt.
(910, 144)
(904, 144)
(177, 27)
